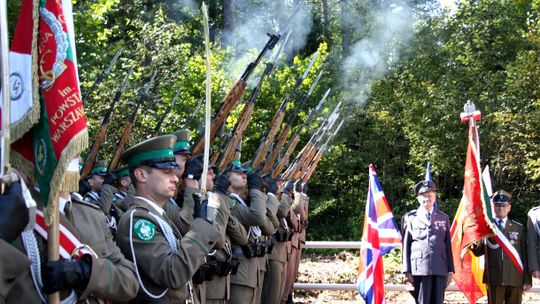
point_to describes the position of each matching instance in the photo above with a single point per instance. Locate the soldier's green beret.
(236, 165)
(100, 168)
(182, 145)
(122, 171)
(501, 197)
(156, 152)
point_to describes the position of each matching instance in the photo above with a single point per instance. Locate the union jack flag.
(379, 236)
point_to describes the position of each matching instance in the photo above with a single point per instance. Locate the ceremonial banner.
(380, 235)
(429, 177)
(23, 81)
(474, 220)
(61, 132)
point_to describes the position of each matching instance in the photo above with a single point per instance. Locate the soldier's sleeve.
(255, 214)
(105, 198)
(182, 217)
(448, 241)
(293, 220)
(284, 205)
(478, 249)
(123, 204)
(298, 206)
(271, 221)
(532, 246)
(171, 269)
(527, 278)
(406, 252)
(113, 276)
(13, 263)
(237, 232)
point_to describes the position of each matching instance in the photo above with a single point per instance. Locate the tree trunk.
(228, 22)
(346, 29)
(212, 15)
(324, 9)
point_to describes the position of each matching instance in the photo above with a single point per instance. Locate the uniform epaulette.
(537, 208)
(412, 212)
(519, 224)
(85, 203)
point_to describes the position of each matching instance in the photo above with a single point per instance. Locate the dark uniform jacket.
(501, 269)
(533, 239)
(159, 266)
(13, 263)
(426, 244)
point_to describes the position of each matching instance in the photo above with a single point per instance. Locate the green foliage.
(486, 51)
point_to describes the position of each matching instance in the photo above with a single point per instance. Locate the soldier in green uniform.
(273, 283)
(124, 190)
(249, 207)
(505, 283)
(13, 219)
(165, 260)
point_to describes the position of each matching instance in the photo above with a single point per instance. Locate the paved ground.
(341, 268)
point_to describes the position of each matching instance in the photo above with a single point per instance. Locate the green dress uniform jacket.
(248, 274)
(182, 217)
(161, 269)
(502, 271)
(112, 276)
(533, 239)
(219, 289)
(13, 263)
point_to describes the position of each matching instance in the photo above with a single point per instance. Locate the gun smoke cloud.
(371, 57)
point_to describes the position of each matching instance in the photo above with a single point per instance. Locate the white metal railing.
(356, 245)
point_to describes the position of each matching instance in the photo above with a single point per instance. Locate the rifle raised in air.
(129, 126)
(102, 132)
(296, 138)
(236, 92)
(276, 121)
(313, 164)
(102, 75)
(167, 111)
(236, 135)
(269, 163)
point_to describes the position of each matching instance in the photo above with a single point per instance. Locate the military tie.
(500, 223)
(428, 215)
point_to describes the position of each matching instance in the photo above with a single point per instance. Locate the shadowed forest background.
(403, 69)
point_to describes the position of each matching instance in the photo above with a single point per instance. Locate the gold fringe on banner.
(63, 180)
(21, 127)
(23, 165)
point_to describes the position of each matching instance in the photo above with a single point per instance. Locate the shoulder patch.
(144, 229)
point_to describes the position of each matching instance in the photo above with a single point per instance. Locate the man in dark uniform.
(164, 259)
(427, 252)
(505, 283)
(533, 241)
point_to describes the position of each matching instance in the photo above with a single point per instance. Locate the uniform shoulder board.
(86, 202)
(413, 212)
(534, 209)
(516, 223)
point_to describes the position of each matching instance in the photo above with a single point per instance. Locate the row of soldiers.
(146, 234)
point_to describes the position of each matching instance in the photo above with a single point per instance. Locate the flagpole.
(4, 58)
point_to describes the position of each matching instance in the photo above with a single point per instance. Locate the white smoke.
(371, 57)
(253, 21)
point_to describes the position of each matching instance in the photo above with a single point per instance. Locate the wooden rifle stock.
(102, 132)
(268, 139)
(228, 104)
(120, 147)
(236, 136)
(312, 166)
(277, 148)
(285, 158)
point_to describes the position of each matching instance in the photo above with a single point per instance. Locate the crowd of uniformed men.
(150, 236)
